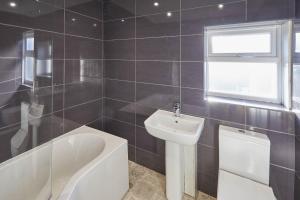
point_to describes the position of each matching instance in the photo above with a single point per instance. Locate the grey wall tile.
(227, 112)
(193, 102)
(77, 71)
(11, 41)
(143, 111)
(192, 74)
(77, 116)
(207, 184)
(58, 72)
(120, 90)
(120, 129)
(145, 7)
(92, 8)
(271, 119)
(119, 110)
(117, 9)
(76, 24)
(119, 49)
(158, 25)
(156, 96)
(282, 182)
(58, 95)
(192, 48)
(131, 153)
(270, 9)
(152, 161)
(78, 93)
(166, 48)
(48, 45)
(149, 143)
(82, 48)
(193, 21)
(119, 29)
(118, 69)
(208, 160)
(167, 73)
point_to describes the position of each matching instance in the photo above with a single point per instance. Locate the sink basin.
(178, 132)
(184, 130)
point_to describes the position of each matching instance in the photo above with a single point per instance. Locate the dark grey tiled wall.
(72, 92)
(152, 60)
(297, 158)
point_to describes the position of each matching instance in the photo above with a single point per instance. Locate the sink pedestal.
(174, 171)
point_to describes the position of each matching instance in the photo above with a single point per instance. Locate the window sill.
(248, 103)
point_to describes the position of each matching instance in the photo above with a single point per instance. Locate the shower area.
(50, 83)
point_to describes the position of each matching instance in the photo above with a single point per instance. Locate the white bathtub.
(87, 164)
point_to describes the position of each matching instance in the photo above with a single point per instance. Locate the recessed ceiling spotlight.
(221, 6)
(12, 4)
(156, 4)
(169, 14)
(73, 19)
(95, 25)
(122, 20)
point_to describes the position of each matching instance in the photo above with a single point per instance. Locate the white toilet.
(244, 163)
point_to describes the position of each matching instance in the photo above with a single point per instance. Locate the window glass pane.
(242, 43)
(297, 48)
(28, 69)
(243, 79)
(30, 44)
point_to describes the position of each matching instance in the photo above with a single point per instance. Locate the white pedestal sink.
(177, 132)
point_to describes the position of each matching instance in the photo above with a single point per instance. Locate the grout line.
(143, 38)
(10, 80)
(64, 73)
(192, 88)
(119, 100)
(103, 68)
(246, 10)
(147, 151)
(85, 37)
(78, 13)
(78, 59)
(144, 83)
(169, 61)
(10, 58)
(135, 24)
(81, 104)
(207, 146)
(282, 167)
(180, 54)
(153, 37)
(117, 120)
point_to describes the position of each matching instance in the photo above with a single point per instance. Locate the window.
(28, 67)
(245, 62)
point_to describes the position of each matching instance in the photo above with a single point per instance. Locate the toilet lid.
(233, 187)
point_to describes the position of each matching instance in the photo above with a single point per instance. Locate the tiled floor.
(146, 184)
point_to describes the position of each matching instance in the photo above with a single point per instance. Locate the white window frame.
(274, 28)
(27, 54)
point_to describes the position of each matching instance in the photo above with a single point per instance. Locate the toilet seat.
(234, 187)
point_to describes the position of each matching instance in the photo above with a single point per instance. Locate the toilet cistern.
(244, 164)
(178, 131)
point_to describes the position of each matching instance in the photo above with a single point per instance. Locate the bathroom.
(79, 79)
